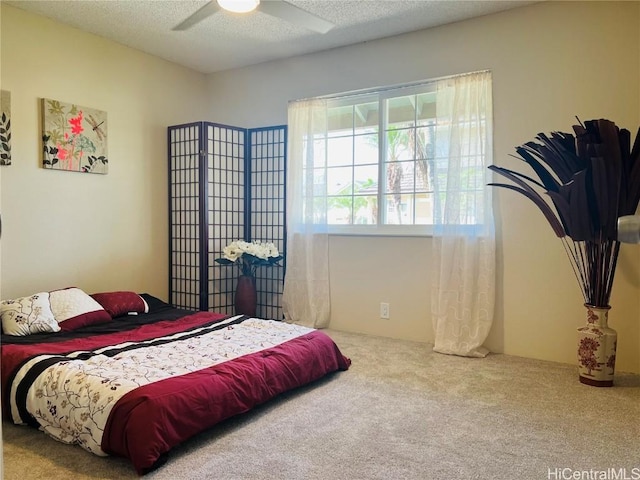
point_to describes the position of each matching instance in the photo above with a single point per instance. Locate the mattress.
(139, 385)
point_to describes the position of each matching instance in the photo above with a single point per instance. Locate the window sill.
(381, 231)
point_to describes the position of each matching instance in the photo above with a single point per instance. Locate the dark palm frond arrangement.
(591, 179)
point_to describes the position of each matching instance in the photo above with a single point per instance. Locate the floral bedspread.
(72, 395)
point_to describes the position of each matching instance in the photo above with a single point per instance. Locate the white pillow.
(73, 308)
(27, 315)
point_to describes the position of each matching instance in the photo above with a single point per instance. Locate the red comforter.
(147, 421)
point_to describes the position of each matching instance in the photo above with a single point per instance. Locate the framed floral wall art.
(74, 138)
(5, 127)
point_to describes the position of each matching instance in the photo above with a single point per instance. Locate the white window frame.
(381, 95)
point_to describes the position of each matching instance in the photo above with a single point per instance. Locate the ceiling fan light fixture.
(239, 6)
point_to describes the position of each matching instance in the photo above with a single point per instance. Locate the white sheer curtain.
(306, 299)
(463, 292)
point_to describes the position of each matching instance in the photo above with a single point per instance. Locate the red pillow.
(118, 304)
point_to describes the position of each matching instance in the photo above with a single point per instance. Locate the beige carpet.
(400, 412)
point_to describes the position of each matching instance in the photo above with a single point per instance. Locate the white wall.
(550, 62)
(99, 232)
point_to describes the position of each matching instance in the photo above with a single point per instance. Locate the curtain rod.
(366, 91)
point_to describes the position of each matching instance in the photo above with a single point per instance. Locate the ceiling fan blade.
(205, 11)
(295, 15)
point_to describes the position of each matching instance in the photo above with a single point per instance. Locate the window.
(382, 156)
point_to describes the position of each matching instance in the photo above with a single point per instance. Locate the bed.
(142, 379)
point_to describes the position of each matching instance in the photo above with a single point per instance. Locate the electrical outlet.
(384, 310)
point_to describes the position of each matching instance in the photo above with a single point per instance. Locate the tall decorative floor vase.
(597, 348)
(246, 296)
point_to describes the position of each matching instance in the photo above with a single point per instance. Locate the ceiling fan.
(275, 8)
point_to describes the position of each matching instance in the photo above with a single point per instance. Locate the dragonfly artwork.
(97, 127)
(74, 137)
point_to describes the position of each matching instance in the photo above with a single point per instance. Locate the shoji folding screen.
(225, 183)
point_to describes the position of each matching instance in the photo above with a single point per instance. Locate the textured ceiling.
(224, 40)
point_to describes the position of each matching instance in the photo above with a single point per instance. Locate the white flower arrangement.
(251, 255)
